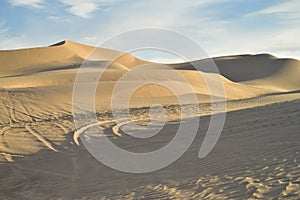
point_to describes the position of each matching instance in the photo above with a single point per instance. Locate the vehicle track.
(41, 138)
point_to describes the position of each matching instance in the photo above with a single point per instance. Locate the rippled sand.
(42, 156)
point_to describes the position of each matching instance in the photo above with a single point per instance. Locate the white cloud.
(7, 41)
(53, 17)
(178, 16)
(92, 39)
(166, 60)
(33, 3)
(282, 39)
(81, 8)
(197, 19)
(161, 14)
(289, 9)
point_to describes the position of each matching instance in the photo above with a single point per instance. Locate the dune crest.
(46, 68)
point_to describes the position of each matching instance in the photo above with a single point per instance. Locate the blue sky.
(221, 27)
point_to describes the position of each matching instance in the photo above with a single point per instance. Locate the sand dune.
(58, 65)
(64, 55)
(286, 79)
(37, 84)
(36, 87)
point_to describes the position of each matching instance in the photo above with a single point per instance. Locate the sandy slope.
(36, 120)
(64, 55)
(256, 157)
(36, 85)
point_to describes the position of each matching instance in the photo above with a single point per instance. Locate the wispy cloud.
(288, 9)
(32, 3)
(270, 27)
(53, 18)
(184, 18)
(7, 41)
(81, 8)
(157, 13)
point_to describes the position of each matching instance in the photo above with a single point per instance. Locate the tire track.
(41, 138)
(4, 107)
(7, 156)
(84, 128)
(12, 109)
(62, 127)
(2, 134)
(26, 111)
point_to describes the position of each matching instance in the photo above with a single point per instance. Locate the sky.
(221, 27)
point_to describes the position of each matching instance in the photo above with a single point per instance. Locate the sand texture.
(41, 156)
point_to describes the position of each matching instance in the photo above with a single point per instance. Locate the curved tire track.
(84, 128)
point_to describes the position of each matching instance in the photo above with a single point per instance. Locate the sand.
(257, 156)
(41, 155)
